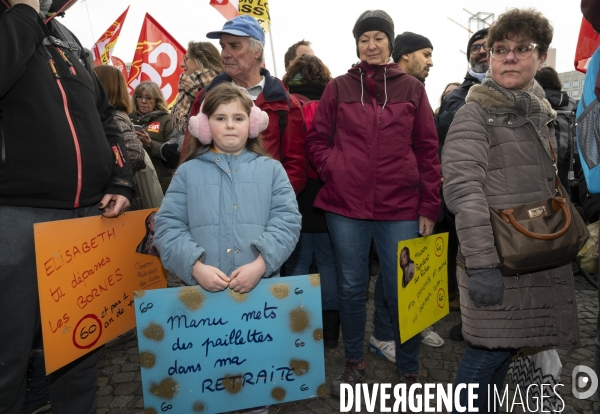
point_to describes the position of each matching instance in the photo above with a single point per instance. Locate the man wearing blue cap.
(242, 51)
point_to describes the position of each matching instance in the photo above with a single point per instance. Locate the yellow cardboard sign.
(259, 9)
(88, 269)
(422, 283)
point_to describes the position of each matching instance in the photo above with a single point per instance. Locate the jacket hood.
(557, 99)
(489, 98)
(391, 69)
(58, 7)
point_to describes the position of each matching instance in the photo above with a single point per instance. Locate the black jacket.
(59, 145)
(565, 138)
(452, 103)
(455, 99)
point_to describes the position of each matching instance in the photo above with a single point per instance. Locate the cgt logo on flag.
(156, 59)
(102, 49)
(154, 127)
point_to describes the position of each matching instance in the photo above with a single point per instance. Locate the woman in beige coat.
(497, 154)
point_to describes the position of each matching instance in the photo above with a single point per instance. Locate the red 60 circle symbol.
(94, 330)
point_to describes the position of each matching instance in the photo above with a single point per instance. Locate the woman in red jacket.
(373, 142)
(306, 79)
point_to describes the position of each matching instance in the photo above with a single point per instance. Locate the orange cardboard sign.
(88, 269)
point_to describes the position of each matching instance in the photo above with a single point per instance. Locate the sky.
(328, 25)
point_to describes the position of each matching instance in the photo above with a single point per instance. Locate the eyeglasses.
(523, 51)
(476, 48)
(144, 98)
(185, 58)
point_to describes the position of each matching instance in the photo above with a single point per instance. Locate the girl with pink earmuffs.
(229, 217)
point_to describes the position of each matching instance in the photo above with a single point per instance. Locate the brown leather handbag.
(538, 235)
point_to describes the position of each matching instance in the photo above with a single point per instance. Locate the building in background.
(572, 83)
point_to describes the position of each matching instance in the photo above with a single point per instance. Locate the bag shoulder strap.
(283, 114)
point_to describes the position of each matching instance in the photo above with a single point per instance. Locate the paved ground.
(120, 388)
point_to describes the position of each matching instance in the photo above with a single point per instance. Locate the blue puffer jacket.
(225, 209)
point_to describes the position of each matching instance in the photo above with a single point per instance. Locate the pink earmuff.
(199, 127)
(259, 121)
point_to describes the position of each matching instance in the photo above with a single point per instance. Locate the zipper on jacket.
(67, 61)
(73, 133)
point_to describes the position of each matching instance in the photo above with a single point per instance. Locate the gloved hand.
(170, 155)
(486, 286)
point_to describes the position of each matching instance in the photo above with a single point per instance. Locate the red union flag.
(104, 46)
(156, 59)
(228, 8)
(119, 64)
(587, 44)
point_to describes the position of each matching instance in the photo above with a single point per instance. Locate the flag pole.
(272, 50)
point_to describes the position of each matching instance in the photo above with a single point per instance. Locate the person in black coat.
(61, 158)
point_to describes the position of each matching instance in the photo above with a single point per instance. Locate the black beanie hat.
(480, 34)
(408, 42)
(374, 23)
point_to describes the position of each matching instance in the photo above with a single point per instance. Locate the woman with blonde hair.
(152, 115)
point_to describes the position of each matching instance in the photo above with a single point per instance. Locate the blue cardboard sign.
(215, 352)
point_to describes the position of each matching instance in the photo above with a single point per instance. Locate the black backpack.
(568, 155)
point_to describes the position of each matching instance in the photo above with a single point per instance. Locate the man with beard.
(61, 157)
(477, 57)
(413, 52)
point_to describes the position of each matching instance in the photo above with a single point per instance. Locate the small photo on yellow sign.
(422, 283)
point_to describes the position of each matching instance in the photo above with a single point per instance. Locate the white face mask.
(45, 8)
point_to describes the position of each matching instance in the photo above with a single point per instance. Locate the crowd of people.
(317, 173)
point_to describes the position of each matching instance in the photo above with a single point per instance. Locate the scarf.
(529, 103)
(305, 87)
(189, 86)
(45, 8)
(479, 76)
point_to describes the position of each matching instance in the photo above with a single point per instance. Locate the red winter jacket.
(289, 150)
(373, 141)
(309, 109)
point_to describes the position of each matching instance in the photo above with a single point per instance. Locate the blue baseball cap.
(243, 25)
